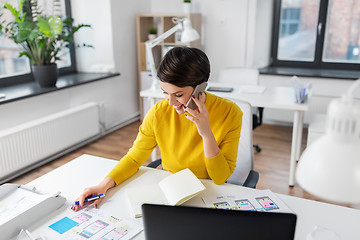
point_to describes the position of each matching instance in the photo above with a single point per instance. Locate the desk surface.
(271, 97)
(87, 170)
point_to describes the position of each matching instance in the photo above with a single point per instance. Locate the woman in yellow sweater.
(205, 140)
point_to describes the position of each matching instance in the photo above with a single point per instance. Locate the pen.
(91, 198)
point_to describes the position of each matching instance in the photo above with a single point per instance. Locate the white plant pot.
(187, 7)
(152, 36)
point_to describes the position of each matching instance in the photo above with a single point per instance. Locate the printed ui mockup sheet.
(262, 200)
(89, 223)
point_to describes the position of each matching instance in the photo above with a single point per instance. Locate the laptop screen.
(177, 222)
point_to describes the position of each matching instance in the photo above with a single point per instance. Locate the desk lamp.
(330, 167)
(188, 35)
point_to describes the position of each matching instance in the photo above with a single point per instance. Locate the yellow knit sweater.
(180, 143)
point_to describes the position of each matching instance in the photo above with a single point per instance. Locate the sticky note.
(63, 225)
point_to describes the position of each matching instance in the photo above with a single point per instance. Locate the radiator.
(34, 141)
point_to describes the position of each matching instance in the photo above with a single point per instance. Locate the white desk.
(272, 97)
(87, 170)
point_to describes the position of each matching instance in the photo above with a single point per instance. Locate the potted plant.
(187, 6)
(41, 38)
(152, 33)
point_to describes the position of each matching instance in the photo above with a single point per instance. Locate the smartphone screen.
(245, 204)
(222, 205)
(93, 228)
(267, 203)
(198, 89)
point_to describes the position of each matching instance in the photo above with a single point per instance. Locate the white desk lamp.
(188, 35)
(330, 167)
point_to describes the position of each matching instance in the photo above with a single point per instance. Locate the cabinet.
(163, 22)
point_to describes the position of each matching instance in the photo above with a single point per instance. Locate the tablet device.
(220, 89)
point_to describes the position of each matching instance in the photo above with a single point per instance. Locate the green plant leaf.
(41, 43)
(50, 27)
(35, 33)
(44, 27)
(25, 28)
(24, 54)
(21, 5)
(68, 22)
(13, 10)
(56, 25)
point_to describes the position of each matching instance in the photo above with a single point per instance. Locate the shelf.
(163, 22)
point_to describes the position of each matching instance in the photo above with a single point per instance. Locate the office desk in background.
(88, 170)
(272, 97)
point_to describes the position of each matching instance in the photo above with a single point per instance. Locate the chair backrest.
(245, 156)
(245, 76)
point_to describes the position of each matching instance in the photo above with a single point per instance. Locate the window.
(290, 21)
(11, 66)
(322, 34)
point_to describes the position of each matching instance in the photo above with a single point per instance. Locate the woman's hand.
(200, 116)
(201, 119)
(101, 188)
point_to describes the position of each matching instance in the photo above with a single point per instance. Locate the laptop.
(163, 222)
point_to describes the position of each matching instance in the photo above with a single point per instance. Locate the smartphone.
(198, 89)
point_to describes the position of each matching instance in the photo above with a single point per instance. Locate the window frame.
(317, 63)
(28, 77)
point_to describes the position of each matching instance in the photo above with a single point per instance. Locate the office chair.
(246, 77)
(243, 174)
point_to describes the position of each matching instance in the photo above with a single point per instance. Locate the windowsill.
(31, 89)
(308, 72)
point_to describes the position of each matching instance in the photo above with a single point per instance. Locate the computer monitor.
(163, 222)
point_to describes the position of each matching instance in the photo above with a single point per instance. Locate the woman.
(205, 140)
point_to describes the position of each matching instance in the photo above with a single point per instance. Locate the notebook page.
(181, 186)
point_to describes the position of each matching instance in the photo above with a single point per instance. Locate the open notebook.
(172, 190)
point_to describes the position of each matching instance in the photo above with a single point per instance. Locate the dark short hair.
(184, 66)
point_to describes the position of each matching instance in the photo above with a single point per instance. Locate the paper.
(172, 190)
(251, 89)
(89, 223)
(261, 200)
(301, 90)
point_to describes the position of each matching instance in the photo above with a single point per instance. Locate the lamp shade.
(189, 34)
(330, 167)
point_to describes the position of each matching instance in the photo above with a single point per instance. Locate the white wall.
(123, 15)
(113, 36)
(259, 52)
(224, 29)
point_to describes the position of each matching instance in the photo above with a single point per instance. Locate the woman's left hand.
(200, 115)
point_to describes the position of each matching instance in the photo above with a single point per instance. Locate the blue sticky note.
(63, 225)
